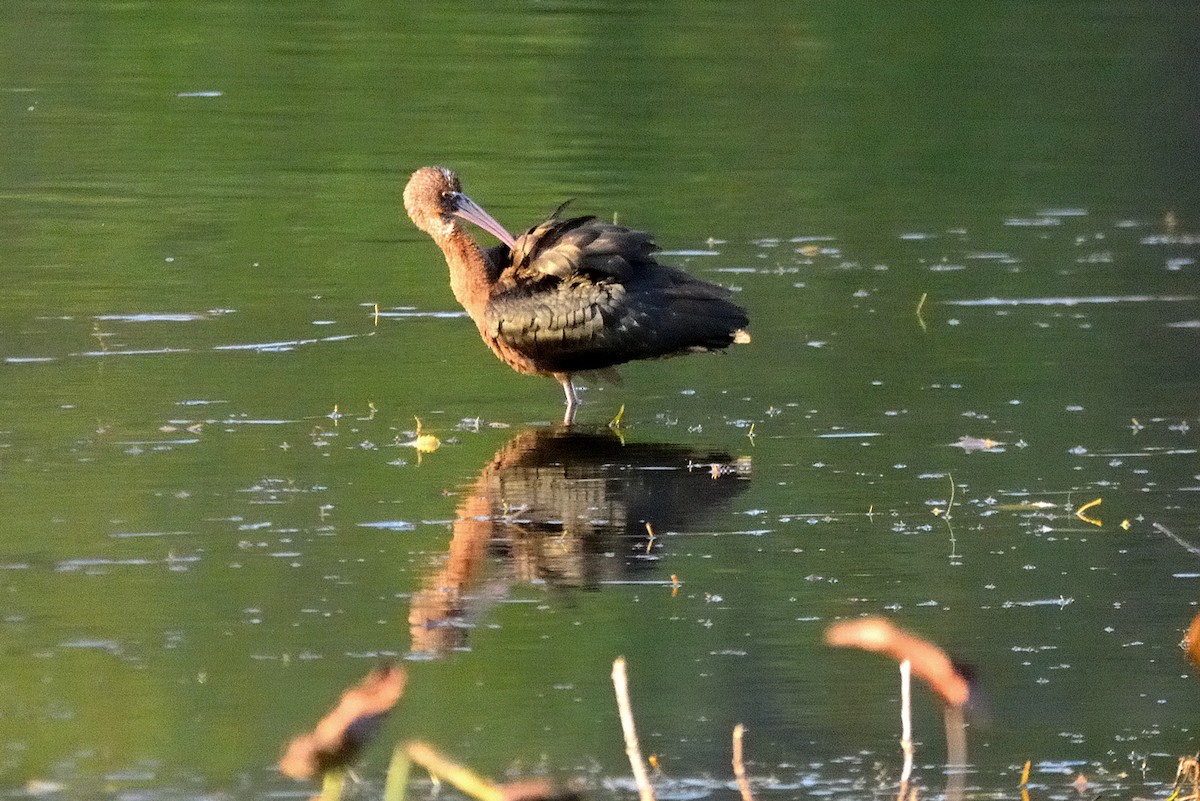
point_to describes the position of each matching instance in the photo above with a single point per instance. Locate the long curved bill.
(472, 212)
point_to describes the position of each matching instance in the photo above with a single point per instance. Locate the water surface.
(967, 239)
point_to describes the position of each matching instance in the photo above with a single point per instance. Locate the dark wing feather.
(585, 295)
(495, 259)
(579, 246)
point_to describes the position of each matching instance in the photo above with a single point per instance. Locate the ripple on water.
(389, 525)
(285, 344)
(159, 317)
(1069, 300)
(435, 315)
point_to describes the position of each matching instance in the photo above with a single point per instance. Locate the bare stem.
(906, 744)
(462, 778)
(332, 784)
(632, 749)
(739, 767)
(397, 776)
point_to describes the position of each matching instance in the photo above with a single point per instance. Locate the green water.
(213, 522)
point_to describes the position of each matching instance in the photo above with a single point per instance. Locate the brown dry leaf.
(929, 663)
(1191, 641)
(340, 735)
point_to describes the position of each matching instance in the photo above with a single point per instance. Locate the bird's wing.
(584, 324)
(551, 319)
(580, 246)
(580, 294)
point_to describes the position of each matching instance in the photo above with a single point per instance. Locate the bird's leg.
(572, 398)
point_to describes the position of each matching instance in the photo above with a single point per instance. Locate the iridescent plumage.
(569, 295)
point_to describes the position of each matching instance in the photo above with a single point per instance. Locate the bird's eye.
(448, 195)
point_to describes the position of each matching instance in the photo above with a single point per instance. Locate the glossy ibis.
(569, 295)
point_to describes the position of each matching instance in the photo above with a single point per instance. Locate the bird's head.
(434, 198)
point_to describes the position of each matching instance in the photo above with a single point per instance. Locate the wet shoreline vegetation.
(530, 494)
(327, 753)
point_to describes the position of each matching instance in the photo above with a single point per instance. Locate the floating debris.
(423, 443)
(969, 444)
(1080, 512)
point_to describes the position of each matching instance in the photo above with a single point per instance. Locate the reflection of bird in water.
(569, 295)
(569, 509)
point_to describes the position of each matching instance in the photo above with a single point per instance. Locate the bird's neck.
(470, 278)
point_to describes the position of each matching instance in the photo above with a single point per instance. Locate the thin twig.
(906, 744)
(1080, 512)
(632, 749)
(920, 305)
(1192, 549)
(949, 525)
(739, 767)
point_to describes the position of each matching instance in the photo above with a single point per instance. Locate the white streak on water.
(1044, 601)
(850, 435)
(437, 315)
(286, 344)
(1034, 222)
(159, 442)
(73, 565)
(1063, 213)
(1070, 301)
(142, 352)
(390, 525)
(155, 317)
